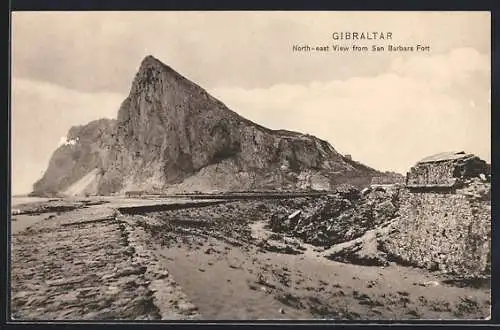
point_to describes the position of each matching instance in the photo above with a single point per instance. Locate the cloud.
(96, 51)
(41, 114)
(420, 106)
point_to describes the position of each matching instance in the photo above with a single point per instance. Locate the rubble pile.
(360, 251)
(339, 217)
(476, 188)
(228, 222)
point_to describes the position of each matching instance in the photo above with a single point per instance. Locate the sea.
(18, 200)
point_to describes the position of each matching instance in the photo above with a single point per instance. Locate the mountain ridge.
(172, 135)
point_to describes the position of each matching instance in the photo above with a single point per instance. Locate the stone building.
(132, 194)
(446, 170)
(445, 216)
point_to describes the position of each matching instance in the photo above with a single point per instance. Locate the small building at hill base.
(135, 193)
(446, 170)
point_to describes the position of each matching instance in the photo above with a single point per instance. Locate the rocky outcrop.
(171, 134)
(86, 153)
(339, 217)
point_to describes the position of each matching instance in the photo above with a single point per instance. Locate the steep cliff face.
(172, 135)
(84, 152)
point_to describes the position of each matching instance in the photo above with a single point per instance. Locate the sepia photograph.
(250, 165)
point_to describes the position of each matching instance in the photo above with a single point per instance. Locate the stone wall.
(450, 232)
(432, 173)
(388, 178)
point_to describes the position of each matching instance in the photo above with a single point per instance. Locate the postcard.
(250, 165)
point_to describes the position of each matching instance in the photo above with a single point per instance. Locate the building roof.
(443, 156)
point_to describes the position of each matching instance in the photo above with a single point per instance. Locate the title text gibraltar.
(362, 35)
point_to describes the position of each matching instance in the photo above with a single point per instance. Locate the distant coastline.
(20, 199)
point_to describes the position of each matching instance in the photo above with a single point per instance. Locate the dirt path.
(228, 282)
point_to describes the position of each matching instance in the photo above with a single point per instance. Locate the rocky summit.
(170, 135)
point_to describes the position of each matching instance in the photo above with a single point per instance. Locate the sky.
(386, 109)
